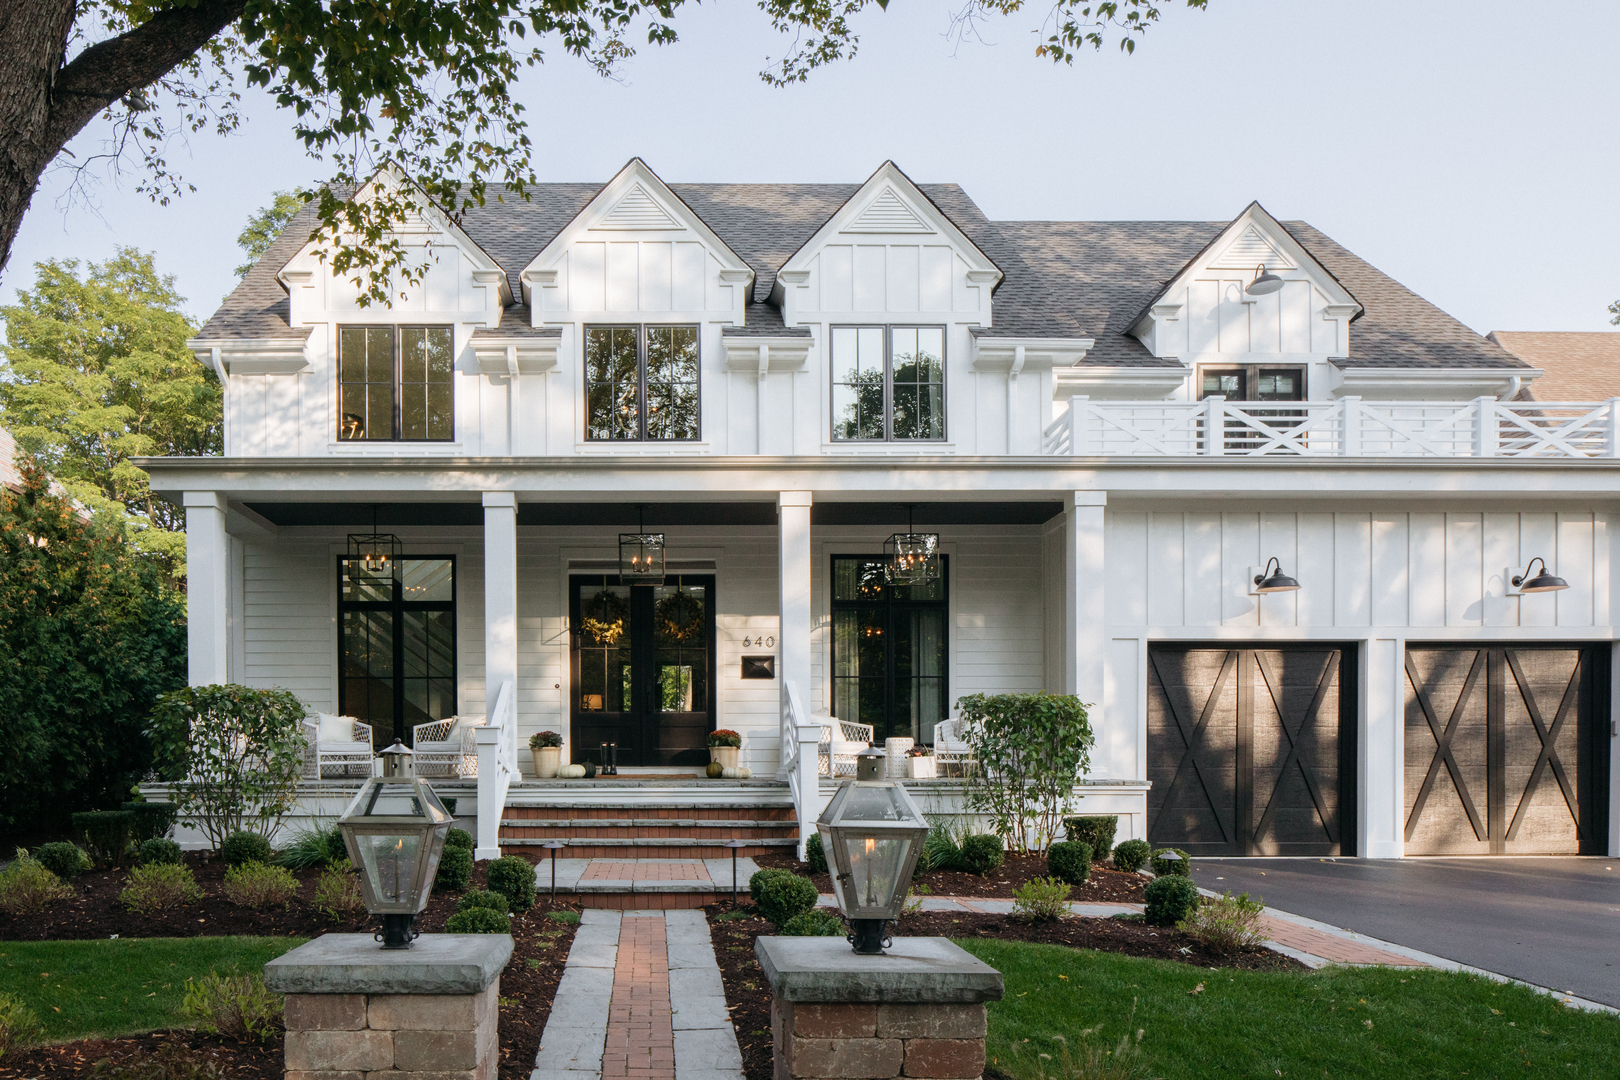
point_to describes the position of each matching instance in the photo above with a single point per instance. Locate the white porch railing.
(1348, 427)
(797, 753)
(497, 768)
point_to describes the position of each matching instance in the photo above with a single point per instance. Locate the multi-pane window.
(396, 383)
(397, 645)
(888, 383)
(888, 649)
(641, 383)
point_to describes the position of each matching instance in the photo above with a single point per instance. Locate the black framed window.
(396, 383)
(397, 645)
(641, 383)
(1252, 382)
(888, 383)
(889, 650)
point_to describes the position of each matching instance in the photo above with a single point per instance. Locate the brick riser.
(706, 827)
(616, 851)
(674, 901)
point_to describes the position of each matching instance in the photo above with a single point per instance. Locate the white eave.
(1433, 384)
(1117, 383)
(515, 356)
(1016, 355)
(251, 356)
(789, 352)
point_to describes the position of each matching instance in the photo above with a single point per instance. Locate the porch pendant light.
(377, 553)
(641, 554)
(911, 558)
(1272, 579)
(1542, 582)
(1264, 282)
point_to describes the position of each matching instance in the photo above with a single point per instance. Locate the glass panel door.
(889, 642)
(397, 645)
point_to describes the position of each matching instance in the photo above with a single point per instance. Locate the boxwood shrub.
(781, 894)
(815, 855)
(1163, 867)
(513, 878)
(478, 920)
(1132, 855)
(982, 853)
(1170, 899)
(1069, 862)
(241, 848)
(1097, 830)
(67, 861)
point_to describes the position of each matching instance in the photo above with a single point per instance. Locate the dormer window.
(395, 383)
(888, 383)
(641, 383)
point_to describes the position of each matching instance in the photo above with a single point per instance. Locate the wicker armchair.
(331, 756)
(446, 747)
(841, 740)
(951, 750)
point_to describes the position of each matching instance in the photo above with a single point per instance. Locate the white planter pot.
(726, 756)
(547, 760)
(922, 768)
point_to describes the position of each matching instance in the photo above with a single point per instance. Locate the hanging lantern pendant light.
(377, 553)
(641, 554)
(911, 558)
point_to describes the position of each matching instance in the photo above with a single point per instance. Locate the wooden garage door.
(1245, 750)
(1502, 750)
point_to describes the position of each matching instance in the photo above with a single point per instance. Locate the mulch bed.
(748, 994)
(540, 948)
(1104, 887)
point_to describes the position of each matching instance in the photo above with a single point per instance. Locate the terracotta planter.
(547, 760)
(922, 768)
(725, 755)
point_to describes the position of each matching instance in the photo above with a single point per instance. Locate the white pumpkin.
(736, 773)
(571, 772)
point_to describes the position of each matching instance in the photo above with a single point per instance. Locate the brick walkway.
(1332, 947)
(644, 870)
(641, 1032)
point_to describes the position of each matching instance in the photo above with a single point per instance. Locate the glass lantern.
(394, 831)
(872, 833)
(912, 558)
(641, 558)
(375, 554)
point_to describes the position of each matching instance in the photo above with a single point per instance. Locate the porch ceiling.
(657, 515)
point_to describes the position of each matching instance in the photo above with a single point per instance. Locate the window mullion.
(888, 384)
(641, 380)
(399, 388)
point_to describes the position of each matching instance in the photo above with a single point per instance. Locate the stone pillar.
(356, 1011)
(208, 635)
(917, 1011)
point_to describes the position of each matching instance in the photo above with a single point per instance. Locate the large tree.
(426, 84)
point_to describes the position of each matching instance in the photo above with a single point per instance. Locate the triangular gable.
(888, 203)
(635, 200)
(1243, 245)
(430, 220)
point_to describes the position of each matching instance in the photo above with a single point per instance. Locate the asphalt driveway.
(1554, 922)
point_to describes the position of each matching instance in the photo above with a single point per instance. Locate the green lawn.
(1342, 1023)
(89, 988)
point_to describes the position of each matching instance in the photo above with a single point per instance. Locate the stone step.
(621, 810)
(616, 844)
(648, 823)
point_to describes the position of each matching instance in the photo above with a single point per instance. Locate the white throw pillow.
(334, 729)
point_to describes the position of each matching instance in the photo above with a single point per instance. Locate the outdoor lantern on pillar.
(1264, 282)
(1272, 579)
(641, 555)
(911, 558)
(377, 553)
(872, 832)
(394, 831)
(1546, 581)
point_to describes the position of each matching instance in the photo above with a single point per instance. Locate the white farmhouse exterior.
(1110, 433)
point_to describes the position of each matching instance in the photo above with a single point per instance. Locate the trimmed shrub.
(1041, 900)
(982, 853)
(483, 898)
(781, 894)
(459, 838)
(106, 833)
(1226, 923)
(449, 807)
(337, 891)
(241, 848)
(1162, 866)
(159, 887)
(1132, 855)
(158, 850)
(817, 922)
(455, 869)
(257, 885)
(67, 861)
(235, 1006)
(26, 886)
(151, 820)
(19, 1027)
(1097, 830)
(1170, 899)
(815, 855)
(312, 848)
(478, 920)
(513, 878)
(1069, 861)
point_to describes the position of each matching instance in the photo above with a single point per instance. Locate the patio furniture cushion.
(331, 728)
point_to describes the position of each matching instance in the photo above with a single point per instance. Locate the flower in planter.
(542, 739)
(920, 751)
(724, 737)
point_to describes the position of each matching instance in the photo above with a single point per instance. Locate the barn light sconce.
(1272, 579)
(1542, 582)
(1264, 282)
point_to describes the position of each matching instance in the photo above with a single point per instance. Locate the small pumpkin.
(571, 772)
(715, 770)
(739, 772)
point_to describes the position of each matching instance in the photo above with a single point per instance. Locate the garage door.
(1245, 749)
(1505, 750)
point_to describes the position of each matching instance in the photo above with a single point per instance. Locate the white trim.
(1429, 384)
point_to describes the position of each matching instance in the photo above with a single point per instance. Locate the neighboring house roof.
(1575, 366)
(9, 475)
(1063, 279)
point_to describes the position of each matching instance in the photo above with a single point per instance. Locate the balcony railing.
(1348, 427)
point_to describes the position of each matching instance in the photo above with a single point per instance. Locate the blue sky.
(1466, 147)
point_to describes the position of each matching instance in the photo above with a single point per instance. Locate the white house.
(1112, 427)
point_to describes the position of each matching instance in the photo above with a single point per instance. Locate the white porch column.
(207, 588)
(500, 593)
(1382, 810)
(1085, 637)
(793, 570)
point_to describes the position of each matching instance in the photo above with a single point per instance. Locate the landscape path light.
(394, 831)
(871, 833)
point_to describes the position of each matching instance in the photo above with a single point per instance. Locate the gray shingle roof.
(1062, 278)
(515, 324)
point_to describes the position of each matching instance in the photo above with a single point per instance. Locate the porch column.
(793, 639)
(208, 636)
(1085, 637)
(500, 593)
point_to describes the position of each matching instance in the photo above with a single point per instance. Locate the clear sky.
(1466, 147)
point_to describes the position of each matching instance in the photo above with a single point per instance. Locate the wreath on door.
(603, 617)
(678, 617)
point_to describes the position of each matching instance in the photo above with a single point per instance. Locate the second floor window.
(888, 383)
(641, 383)
(396, 383)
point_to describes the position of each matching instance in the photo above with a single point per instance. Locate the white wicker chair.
(837, 755)
(951, 750)
(334, 758)
(446, 747)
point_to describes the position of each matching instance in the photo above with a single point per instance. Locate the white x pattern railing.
(1348, 427)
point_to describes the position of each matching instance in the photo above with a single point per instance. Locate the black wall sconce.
(1272, 579)
(1546, 581)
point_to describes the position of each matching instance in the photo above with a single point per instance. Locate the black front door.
(643, 669)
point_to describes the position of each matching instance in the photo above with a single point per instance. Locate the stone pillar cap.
(356, 964)
(917, 969)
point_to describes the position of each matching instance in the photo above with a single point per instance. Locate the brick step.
(684, 811)
(660, 848)
(647, 823)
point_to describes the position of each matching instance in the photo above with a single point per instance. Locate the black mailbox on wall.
(759, 667)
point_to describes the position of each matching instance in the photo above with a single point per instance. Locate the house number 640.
(763, 642)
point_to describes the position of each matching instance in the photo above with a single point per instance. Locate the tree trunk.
(43, 103)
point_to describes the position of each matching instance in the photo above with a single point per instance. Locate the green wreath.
(603, 617)
(679, 617)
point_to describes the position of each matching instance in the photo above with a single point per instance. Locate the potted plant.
(921, 760)
(724, 746)
(546, 746)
